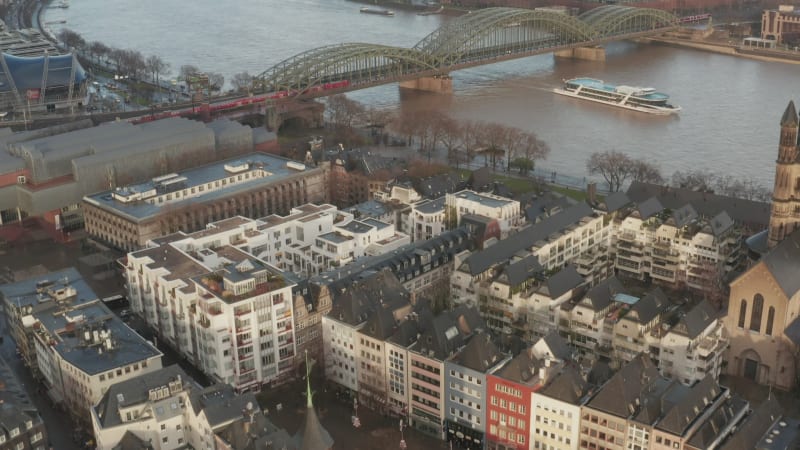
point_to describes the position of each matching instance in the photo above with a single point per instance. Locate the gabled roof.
(567, 386)
(783, 262)
(751, 213)
(721, 223)
(684, 215)
(479, 262)
(750, 432)
(616, 201)
(547, 204)
(648, 307)
(649, 208)
(681, 409)
(601, 295)
(130, 441)
(519, 271)
(730, 411)
(522, 369)
(619, 396)
(480, 354)
(696, 320)
(789, 118)
(557, 346)
(562, 282)
(792, 331)
(354, 301)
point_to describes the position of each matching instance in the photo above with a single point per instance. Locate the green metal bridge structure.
(482, 37)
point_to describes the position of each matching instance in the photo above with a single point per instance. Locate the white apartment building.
(674, 247)
(167, 410)
(339, 340)
(425, 219)
(694, 347)
(352, 240)
(574, 234)
(71, 341)
(556, 411)
(505, 211)
(228, 311)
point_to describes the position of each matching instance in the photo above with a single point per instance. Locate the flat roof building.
(253, 185)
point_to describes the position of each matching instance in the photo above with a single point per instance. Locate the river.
(731, 106)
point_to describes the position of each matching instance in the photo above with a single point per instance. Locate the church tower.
(785, 215)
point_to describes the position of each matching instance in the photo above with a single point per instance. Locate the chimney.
(591, 192)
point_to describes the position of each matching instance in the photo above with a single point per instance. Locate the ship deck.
(599, 85)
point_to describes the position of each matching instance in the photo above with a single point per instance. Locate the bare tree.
(187, 71)
(472, 137)
(216, 81)
(534, 148)
(342, 112)
(117, 56)
(452, 139)
(646, 172)
(242, 81)
(493, 138)
(71, 39)
(98, 49)
(696, 180)
(157, 67)
(615, 167)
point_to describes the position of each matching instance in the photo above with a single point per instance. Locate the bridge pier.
(441, 84)
(586, 53)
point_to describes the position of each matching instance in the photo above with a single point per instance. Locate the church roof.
(313, 436)
(783, 262)
(789, 118)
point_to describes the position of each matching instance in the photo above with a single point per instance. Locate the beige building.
(253, 185)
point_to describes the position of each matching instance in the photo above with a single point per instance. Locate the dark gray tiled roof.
(602, 294)
(130, 441)
(522, 368)
(558, 346)
(623, 390)
(479, 262)
(547, 204)
(750, 432)
(648, 307)
(684, 215)
(783, 261)
(521, 270)
(696, 320)
(792, 331)
(355, 301)
(721, 223)
(730, 411)
(220, 403)
(313, 436)
(563, 281)
(748, 212)
(480, 354)
(135, 391)
(649, 208)
(567, 386)
(444, 334)
(688, 403)
(616, 201)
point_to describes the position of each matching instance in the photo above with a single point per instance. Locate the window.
(742, 312)
(770, 320)
(755, 316)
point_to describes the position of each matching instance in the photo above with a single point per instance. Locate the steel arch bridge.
(484, 37)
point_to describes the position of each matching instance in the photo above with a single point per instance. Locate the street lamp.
(355, 419)
(403, 445)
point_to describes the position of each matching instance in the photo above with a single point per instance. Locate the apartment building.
(21, 426)
(351, 356)
(556, 410)
(425, 219)
(634, 327)
(509, 390)
(253, 185)
(583, 320)
(505, 211)
(677, 247)
(695, 346)
(168, 410)
(227, 311)
(75, 345)
(465, 390)
(440, 338)
(577, 234)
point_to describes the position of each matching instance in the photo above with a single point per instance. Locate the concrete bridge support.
(587, 53)
(441, 84)
(308, 113)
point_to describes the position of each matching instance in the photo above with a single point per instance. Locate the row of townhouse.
(451, 378)
(71, 341)
(503, 278)
(677, 247)
(167, 410)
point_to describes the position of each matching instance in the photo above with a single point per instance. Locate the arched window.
(770, 320)
(742, 313)
(755, 316)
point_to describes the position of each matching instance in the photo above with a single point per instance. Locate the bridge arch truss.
(472, 39)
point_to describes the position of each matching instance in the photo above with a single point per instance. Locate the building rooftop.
(335, 237)
(358, 227)
(369, 209)
(430, 206)
(93, 339)
(488, 200)
(138, 202)
(41, 291)
(480, 354)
